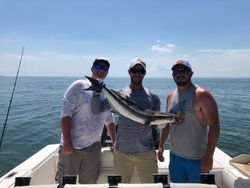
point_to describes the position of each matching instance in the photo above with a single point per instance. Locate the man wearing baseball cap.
(80, 145)
(135, 147)
(194, 136)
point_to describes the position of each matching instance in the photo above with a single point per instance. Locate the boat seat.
(191, 185)
(143, 185)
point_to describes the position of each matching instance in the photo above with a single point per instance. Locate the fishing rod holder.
(22, 181)
(161, 178)
(113, 180)
(208, 178)
(69, 180)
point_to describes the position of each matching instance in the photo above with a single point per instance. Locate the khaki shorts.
(84, 162)
(145, 164)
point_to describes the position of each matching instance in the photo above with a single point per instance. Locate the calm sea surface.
(34, 119)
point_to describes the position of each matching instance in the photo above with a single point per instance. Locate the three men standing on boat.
(193, 139)
(81, 129)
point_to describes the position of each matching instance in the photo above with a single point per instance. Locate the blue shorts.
(184, 170)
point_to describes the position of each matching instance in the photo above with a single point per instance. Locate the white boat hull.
(41, 167)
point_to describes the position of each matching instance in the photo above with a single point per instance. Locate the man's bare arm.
(66, 131)
(210, 112)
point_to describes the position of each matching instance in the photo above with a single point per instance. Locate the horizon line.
(123, 77)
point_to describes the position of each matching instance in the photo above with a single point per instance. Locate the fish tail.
(96, 85)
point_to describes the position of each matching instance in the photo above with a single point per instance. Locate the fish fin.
(147, 123)
(130, 101)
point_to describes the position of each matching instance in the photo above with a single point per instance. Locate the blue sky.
(62, 38)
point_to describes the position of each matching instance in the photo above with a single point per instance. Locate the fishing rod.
(5, 123)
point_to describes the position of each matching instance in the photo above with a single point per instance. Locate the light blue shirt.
(86, 127)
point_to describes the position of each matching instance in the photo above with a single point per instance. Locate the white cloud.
(226, 56)
(222, 62)
(46, 56)
(163, 48)
(224, 50)
(46, 64)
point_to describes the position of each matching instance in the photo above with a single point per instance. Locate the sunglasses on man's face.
(101, 67)
(180, 71)
(137, 71)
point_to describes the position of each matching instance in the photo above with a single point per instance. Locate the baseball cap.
(182, 62)
(137, 61)
(101, 61)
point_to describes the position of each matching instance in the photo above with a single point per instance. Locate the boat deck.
(42, 166)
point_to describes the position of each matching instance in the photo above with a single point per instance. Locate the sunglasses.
(101, 67)
(180, 71)
(137, 71)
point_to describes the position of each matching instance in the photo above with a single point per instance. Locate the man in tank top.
(193, 138)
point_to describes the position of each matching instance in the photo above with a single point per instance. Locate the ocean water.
(34, 119)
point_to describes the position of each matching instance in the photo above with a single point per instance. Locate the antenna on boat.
(5, 123)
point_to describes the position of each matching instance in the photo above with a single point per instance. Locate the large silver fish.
(127, 108)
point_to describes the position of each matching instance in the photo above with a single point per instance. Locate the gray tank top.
(189, 138)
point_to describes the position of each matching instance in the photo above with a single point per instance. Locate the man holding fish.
(138, 107)
(192, 140)
(80, 146)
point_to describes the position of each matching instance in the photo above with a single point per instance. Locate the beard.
(182, 82)
(136, 81)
